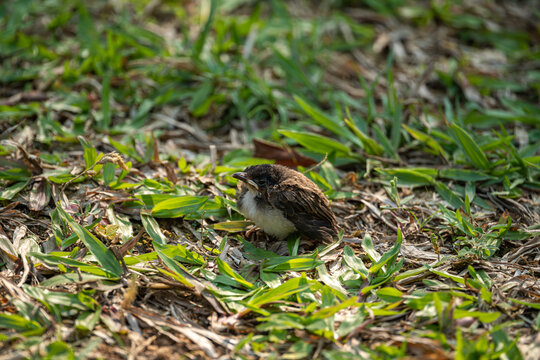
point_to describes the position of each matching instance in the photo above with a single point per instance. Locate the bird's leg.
(251, 231)
(307, 244)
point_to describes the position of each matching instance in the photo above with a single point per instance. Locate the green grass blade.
(367, 245)
(152, 228)
(450, 196)
(392, 253)
(226, 270)
(179, 206)
(298, 263)
(426, 139)
(369, 144)
(315, 142)
(201, 40)
(103, 254)
(412, 177)
(325, 120)
(285, 290)
(177, 269)
(354, 262)
(471, 148)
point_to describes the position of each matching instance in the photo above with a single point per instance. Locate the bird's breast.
(266, 217)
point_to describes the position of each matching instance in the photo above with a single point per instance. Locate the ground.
(121, 123)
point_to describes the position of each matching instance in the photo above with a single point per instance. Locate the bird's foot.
(251, 231)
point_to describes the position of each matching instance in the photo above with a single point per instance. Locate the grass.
(122, 122)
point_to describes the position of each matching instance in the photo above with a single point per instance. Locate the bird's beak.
(242, 176)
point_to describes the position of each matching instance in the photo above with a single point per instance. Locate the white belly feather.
(269, 219)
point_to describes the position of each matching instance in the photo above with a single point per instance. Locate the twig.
(213, 157)
(130, 244)
(112, 157)
(317, 165)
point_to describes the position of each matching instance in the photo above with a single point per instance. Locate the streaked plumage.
(281, 201)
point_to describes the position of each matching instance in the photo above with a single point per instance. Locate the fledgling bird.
(282, 201)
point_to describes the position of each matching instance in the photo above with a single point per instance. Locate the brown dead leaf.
(39, 195)
(130, 244)
(424, 349)
(130, 294)
(171, 173)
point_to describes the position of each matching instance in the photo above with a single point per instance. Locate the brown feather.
(297, 197)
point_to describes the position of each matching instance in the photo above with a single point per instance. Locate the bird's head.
(259, 177)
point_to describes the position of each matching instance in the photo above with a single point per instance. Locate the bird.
(282, 201)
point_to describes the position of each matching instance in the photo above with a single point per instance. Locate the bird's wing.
(306, 209)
